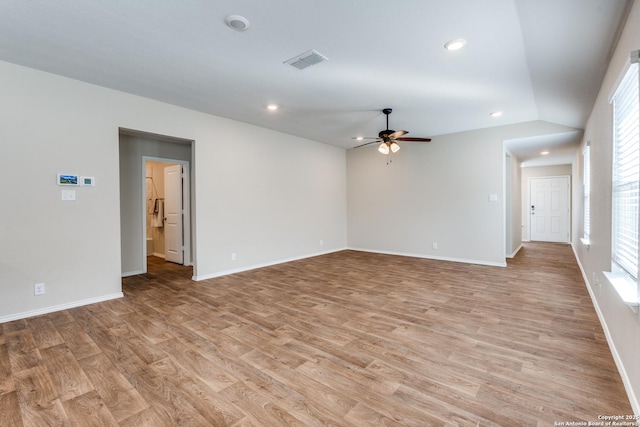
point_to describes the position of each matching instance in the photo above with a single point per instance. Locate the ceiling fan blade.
(414, 139)
(364, 137)
(367, 143)
(397, 134)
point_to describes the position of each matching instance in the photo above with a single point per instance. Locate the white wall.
(435, 193)
(267, 196)
(513, 206)
(621, 325)
(270, 197)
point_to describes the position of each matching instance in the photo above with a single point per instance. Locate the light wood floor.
(346, 339)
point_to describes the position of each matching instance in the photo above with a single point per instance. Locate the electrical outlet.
(233, 256)
(434, 246)
(38, 289)
(321, 242)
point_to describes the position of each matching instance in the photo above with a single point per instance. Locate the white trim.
(268, 264)
(60, 307)
(624, 245)
(188, 257)
(506, 198)
(159, 255)
(261, 265)
(439, 258)
(626, 287)
(633, 399)
(132, 273)
(620, 77)
(586, 190)
(514, 253)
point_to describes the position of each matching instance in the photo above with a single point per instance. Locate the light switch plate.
(68, 195)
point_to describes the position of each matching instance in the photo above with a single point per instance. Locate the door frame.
(186, 204)
(569, 203)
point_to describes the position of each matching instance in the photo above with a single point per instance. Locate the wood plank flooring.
(345, 339)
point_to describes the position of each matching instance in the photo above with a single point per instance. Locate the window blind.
(586, 185)
(626, 172)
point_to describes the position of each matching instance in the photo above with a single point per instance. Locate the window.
(586, 185)
(626, 172)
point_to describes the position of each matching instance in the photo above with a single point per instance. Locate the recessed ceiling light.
(496, 114)
(237, 22)
(544, 153)
(272, 107)
(455, 44)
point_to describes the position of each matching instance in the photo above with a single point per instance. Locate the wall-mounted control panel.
(88, 181)
(68, 179)
(73, 180)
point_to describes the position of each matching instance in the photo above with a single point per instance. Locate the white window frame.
(586, 189)
(625, 187)
(626, 174)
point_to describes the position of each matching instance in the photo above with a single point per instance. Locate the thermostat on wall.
(88, 181)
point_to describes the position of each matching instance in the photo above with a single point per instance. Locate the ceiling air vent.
(306, 59)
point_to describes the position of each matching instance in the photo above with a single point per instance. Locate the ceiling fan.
(388, 138)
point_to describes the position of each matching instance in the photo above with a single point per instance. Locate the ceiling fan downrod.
(386, 111)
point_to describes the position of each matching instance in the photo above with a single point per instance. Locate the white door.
(549, 209)
(173, 213)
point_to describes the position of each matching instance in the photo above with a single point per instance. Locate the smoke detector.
(307, 59)
(237, 22)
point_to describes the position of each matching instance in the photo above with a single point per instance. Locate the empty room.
(311, 213)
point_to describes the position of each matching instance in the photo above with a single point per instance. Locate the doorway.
(135, 148)
(166, 210)
(549, 209)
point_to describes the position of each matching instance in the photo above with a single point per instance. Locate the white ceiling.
(532, 59)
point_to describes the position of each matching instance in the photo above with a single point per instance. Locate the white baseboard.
(633, 399)
(59, 307)
(266, 264)
(159, 255)
(439, 258)
(132, 273)
(514, 253)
